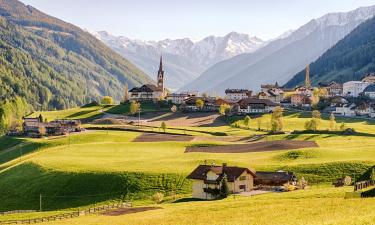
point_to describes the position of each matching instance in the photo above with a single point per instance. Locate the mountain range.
(349, 59)
(53, 64)
(184, 59)
(281, 59)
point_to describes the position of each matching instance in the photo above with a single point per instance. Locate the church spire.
(161, 63)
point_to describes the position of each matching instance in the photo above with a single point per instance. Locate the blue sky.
(160, 19)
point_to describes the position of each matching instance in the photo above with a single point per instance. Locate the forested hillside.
(55, 65)
(349, 59)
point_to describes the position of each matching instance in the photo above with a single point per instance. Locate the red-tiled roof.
(232, 172)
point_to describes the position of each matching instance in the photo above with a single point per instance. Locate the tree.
(343, 126)
(40, 117)
(107, 100)
(313, 124)
(246, 121)
(332, 122)
(199, 103)
(277, 119)
(126, 92)
(316, 97)
(373, 173)
(259, 122)
(163, 126)
(158, 197)
(224, 189)
(135, 107)
(224, 109)
(174, 109)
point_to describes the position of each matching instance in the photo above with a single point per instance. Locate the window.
(242, 177)
(243, 187)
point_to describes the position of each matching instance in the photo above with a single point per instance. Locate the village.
(210, 181)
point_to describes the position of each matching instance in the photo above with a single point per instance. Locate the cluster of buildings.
(36, 127)
(207, 180)
(340, 99)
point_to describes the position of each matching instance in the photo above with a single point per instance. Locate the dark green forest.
(55, 65)
(350, 59)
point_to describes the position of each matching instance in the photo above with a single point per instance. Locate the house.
(302, 90)
(254, 105)
(209, 105)
(354, 88)
(369, 91)
(333, 88)
(300, 100)
(274, 179)
(150, 92)
(207, 180)
(235, 95)
(266, 87)
(345, 109)
(364, 109)
(179, 98)
(275, 95)
(33, 127)
(369, 78)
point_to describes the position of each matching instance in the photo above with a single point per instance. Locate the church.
(150, 92)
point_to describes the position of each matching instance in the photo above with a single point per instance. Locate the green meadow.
(99, 166)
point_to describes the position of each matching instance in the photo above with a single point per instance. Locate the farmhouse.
(179, 98)
(150, 92)
(235, 95)
(207, 180)
(274, 179)
(333, 88)
(370, 78)
(33, 127)
(300, 100)
(345, 109)
(275, 95)
(254, 105)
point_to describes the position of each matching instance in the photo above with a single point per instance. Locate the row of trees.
(11, 113)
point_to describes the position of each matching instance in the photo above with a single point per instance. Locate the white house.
(345, 109)
(179, 98)
(254, 106)
(354, 88)
(207, 180)
(235, 95)
(274, 94)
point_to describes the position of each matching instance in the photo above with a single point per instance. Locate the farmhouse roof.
(283, 176)
(145, 88)
(232, 172)
(235, 91)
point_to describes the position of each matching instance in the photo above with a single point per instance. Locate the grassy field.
(319, 205)
(104, 165)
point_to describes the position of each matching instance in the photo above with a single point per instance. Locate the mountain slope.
(282, 58)
(184, 59)
(54, 64)
(349, 59)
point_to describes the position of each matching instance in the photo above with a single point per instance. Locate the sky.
(195, 19)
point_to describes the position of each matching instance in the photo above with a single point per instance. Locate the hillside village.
(87, 137)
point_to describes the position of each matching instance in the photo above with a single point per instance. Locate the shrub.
(158, 197)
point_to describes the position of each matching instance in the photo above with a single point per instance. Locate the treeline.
(55, 65)
(349, 59)
(11, 113)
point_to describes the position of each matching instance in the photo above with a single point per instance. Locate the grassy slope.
(98, 156)
(323, 205)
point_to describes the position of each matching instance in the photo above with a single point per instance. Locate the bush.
(158, 197)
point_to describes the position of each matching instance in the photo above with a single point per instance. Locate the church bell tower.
(160, 77)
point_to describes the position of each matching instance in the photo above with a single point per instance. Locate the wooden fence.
(363, 184)
(16, 211)
(70, 214)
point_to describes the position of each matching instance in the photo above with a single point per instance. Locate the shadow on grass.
(190, 200)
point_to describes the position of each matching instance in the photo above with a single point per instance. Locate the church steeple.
(160, 77)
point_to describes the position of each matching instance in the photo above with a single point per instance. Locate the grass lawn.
(319, 205)
(74, 113)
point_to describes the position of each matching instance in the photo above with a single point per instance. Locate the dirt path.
(254, 147)
(124, 211)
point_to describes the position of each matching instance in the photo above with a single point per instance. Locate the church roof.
(370, 88)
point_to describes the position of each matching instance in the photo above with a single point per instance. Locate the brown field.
(254, 147)
(184, 119)
(124, 211)
(149, 137)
